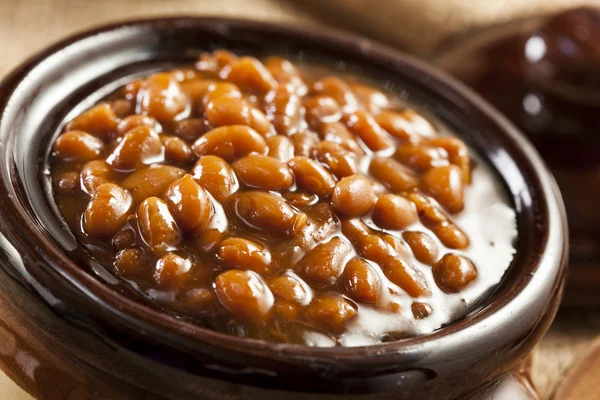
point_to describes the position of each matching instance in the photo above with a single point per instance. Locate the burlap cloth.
(415, 25)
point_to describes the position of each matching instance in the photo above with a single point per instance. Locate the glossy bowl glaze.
(90, 338)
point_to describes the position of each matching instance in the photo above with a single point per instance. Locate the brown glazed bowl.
(69, 331)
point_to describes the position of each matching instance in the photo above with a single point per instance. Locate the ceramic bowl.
(87, 337)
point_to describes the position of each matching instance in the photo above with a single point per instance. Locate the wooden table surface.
(28, 26)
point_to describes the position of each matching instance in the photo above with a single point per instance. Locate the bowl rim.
(153, 322)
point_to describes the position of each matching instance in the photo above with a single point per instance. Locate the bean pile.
(255, 200)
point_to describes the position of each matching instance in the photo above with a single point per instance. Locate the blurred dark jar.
(544, 75)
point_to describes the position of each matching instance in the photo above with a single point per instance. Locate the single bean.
(131, 90)
(129, 263)
(322, 265)
(312, 177)
(405, 276)
(244, 294)
(393, 175)
(134, 121)
(331, 312)
(66, 182)
(151, 181)
(286, 73)
(176, 150)
(360, 281)
(421, 310)
(305, 143)
(218, 61)
(199, 302)
(267, 212)
(353, 196)
(372, 99)
(190, 204)
(216, 176)
(337, 89)
(458, 153)
(99, 121)
(428, 212)
(291, 289)
(394, 212)
(157, 226)
(107, 210)
(77, 146)
(417, 124)
(195, 90)
(356, 230)
(341, 162)
(338, 133)
(301, 200)
(260, 123)
(364, 126)
(94, 174)
(453, 272)
(242, 253)
(161, 97)
(171, 271)
(230, 142)
(122, 107)
(284, 110)
(396, 125)
(392, 307)
(140, 146)
(124, 238)
(208, 240)
(227, 110)
(251, 75)
(321, 109)
(423, 247)
(451, 235)
(219, 90)
(224, 106)
(263, 172)
(445, 184)
(285, 310)
(280, 147)
(192, 128)
(421, 157)
(406, 125)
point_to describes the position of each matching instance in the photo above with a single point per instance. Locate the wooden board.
(582, 382)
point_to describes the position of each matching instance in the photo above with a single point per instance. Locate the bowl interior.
(97, 88)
